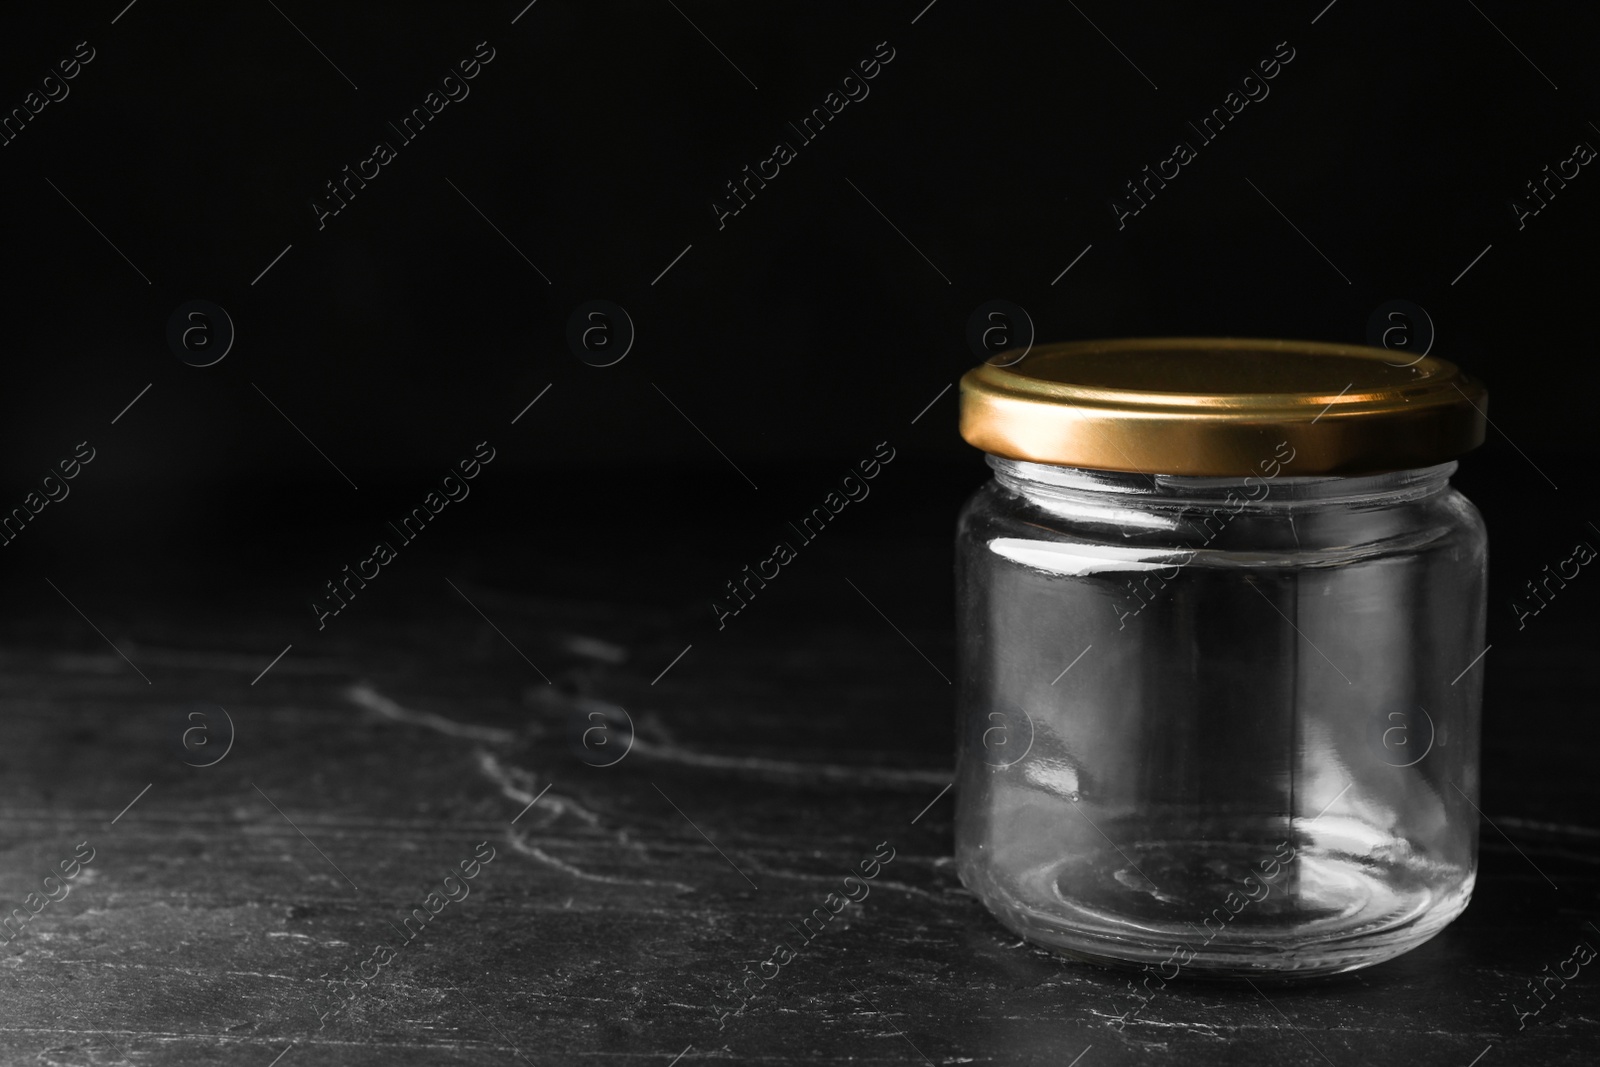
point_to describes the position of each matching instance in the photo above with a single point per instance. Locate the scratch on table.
(790, 771)
(364, 695)
(518, 844)
(827, 879)
(308, 938)
(594, 648)
(518, 783)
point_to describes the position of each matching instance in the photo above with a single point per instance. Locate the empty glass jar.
(1221, 619)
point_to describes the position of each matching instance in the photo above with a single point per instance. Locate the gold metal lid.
(1207, 406)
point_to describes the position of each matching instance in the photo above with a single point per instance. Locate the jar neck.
(1272, 489)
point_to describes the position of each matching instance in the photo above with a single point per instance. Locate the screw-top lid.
(1218, 406)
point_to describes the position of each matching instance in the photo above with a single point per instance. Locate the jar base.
(1331, 912)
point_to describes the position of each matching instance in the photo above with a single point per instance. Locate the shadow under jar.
(1220, 619)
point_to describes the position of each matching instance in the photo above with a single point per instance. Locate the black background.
(797, 336)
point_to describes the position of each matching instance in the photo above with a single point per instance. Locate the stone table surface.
(228, 909)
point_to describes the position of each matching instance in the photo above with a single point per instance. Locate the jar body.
(1220, 726)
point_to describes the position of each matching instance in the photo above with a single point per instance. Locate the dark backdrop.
(823, 318)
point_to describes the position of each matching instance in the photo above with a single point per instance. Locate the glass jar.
(1220, 627)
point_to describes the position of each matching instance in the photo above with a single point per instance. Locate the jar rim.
(1279, 490)
(1200, 406)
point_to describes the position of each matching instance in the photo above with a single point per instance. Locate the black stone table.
(231, 912)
